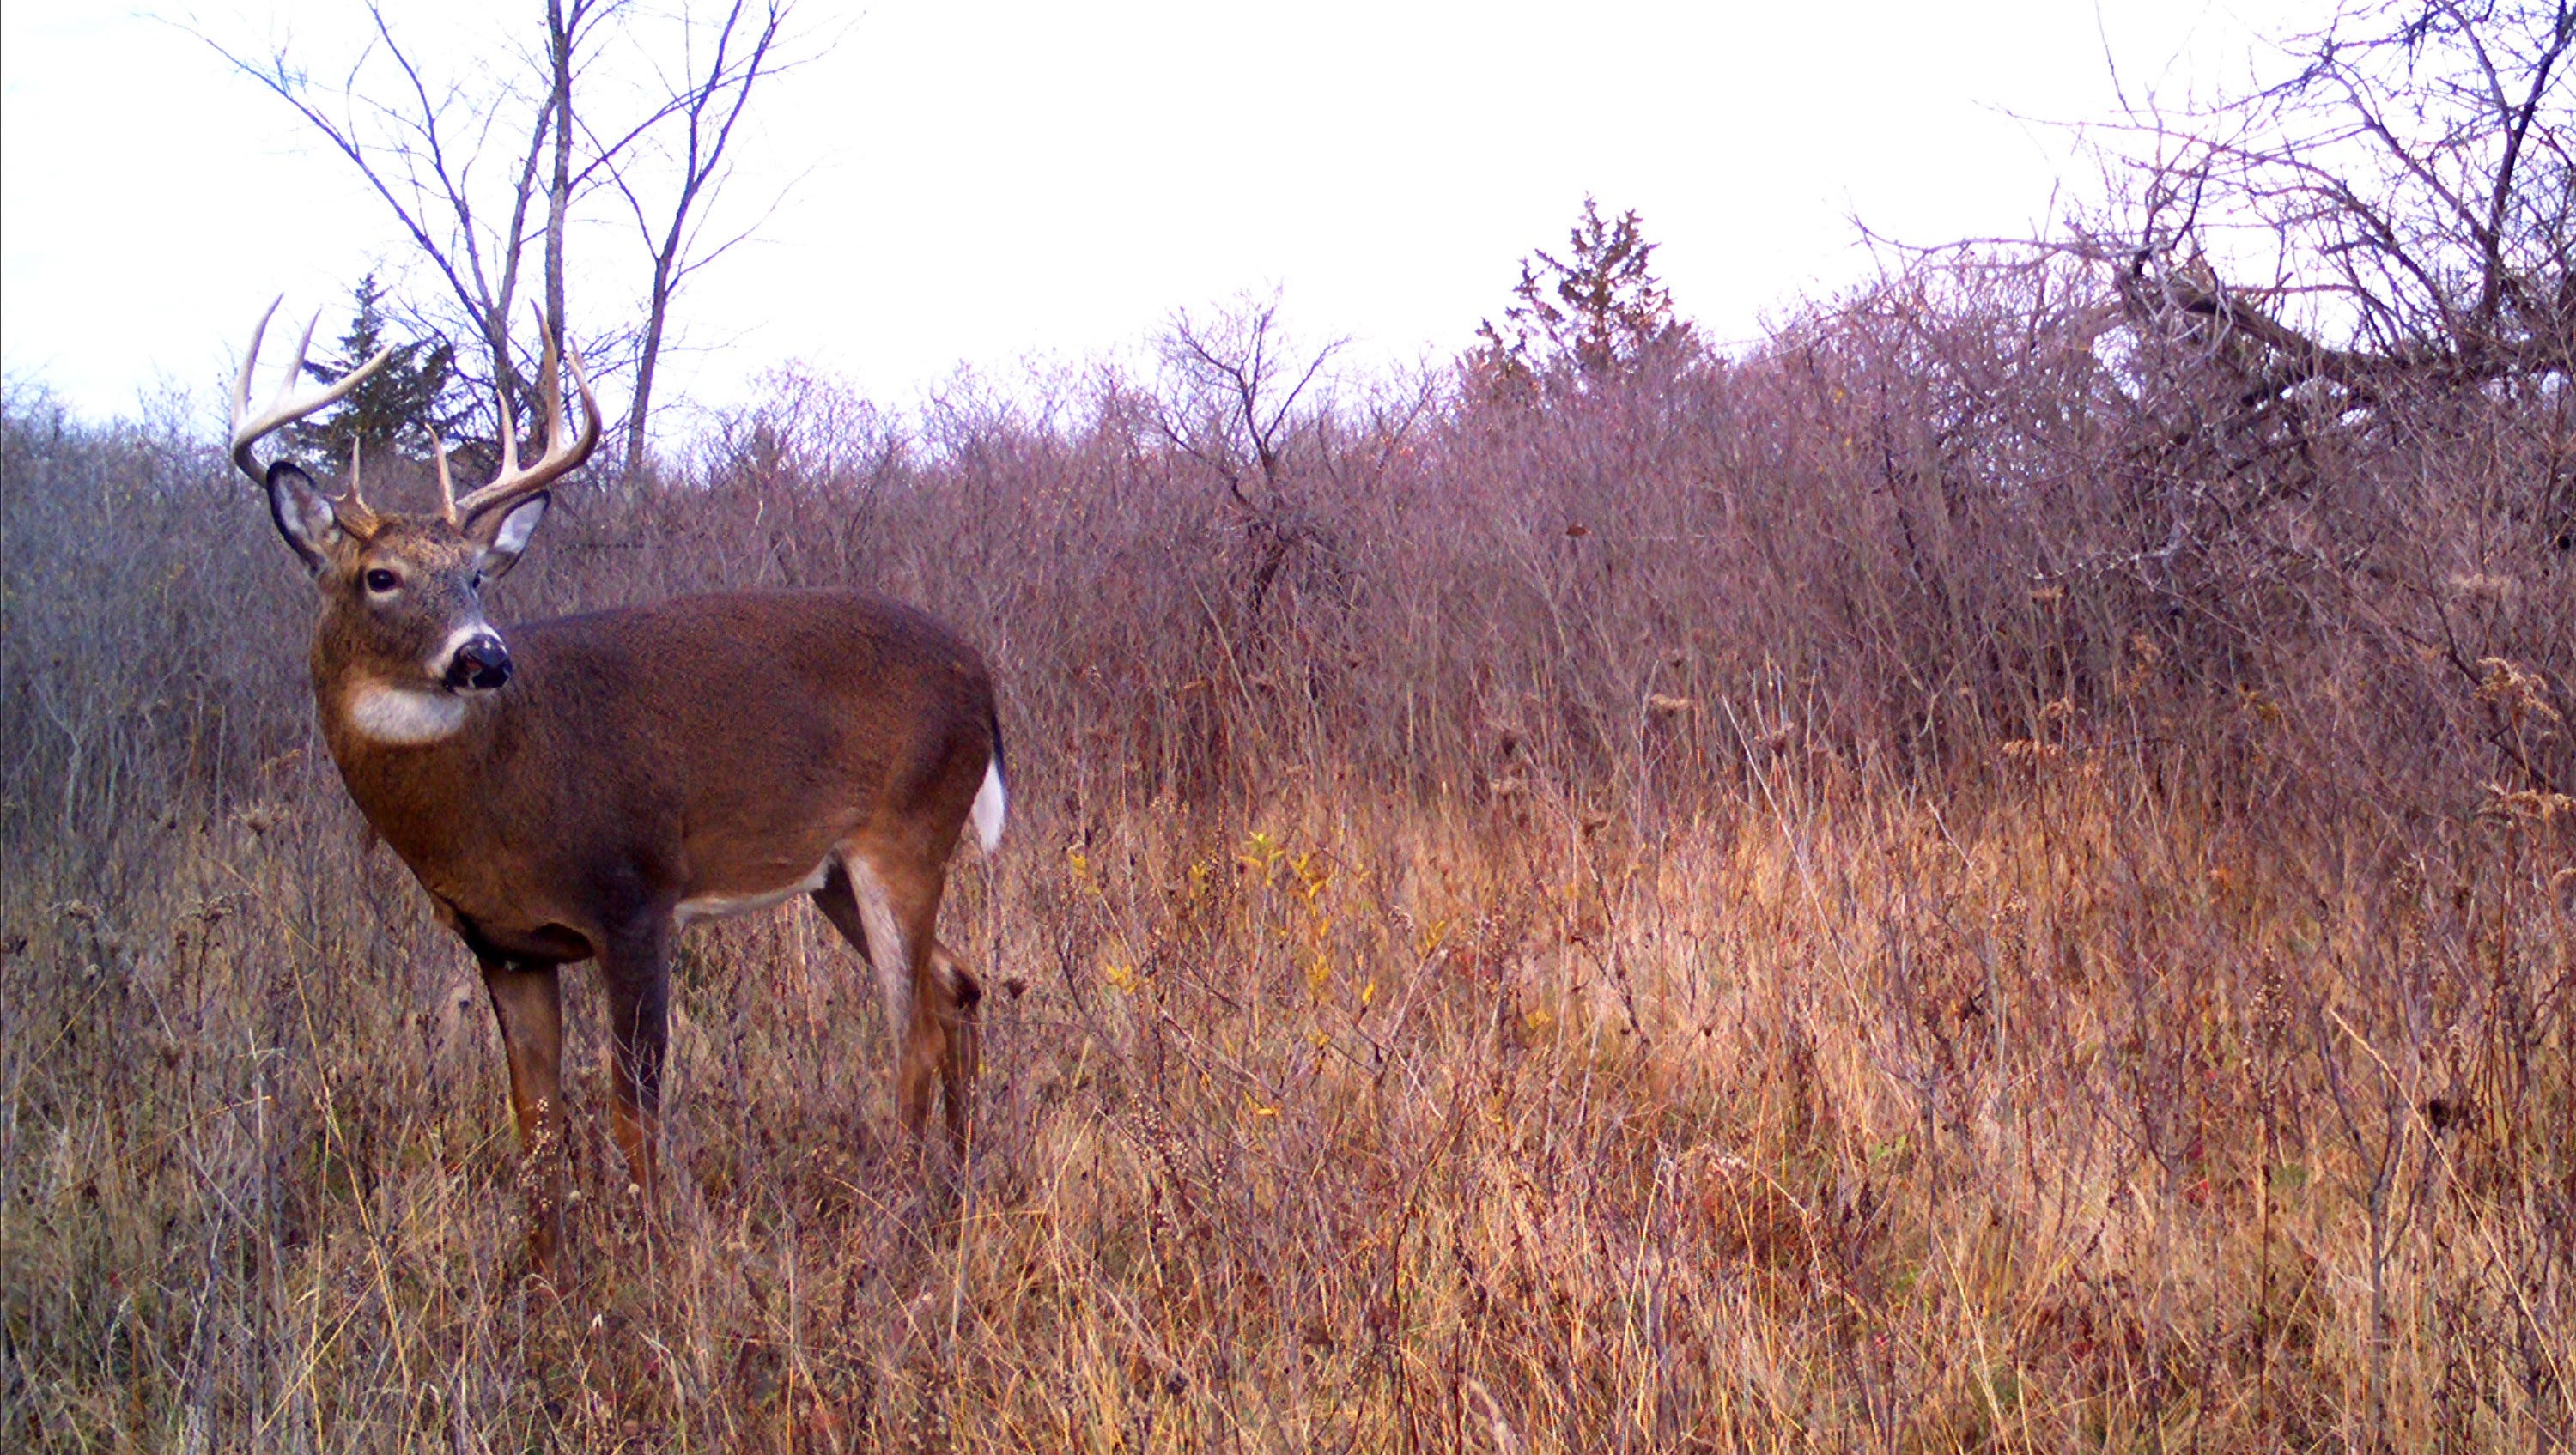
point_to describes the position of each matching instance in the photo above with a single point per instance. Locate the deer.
(582, 788)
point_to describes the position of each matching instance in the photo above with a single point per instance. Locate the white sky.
(986, 182)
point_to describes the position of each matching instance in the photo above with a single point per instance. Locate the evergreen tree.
(1593, 315)
(395, 410)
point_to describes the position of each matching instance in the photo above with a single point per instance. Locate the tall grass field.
(1903, 890)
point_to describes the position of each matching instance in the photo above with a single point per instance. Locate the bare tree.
(705, 105)
(2409, 187)
(479, 166)
(419, 143)
(1235, 385)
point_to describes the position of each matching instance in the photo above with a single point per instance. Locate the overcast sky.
(983, 183)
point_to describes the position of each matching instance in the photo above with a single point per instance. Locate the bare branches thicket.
(1240, 399)
(2410, 179)
(2396, 213)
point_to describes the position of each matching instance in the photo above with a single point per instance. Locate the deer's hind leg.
(961, 1056)
(889, 911)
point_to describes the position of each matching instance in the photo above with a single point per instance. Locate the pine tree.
(397, 408)
(1588, 317)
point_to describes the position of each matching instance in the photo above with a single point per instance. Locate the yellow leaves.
(1309, 871)
(1307, 876)
(1120, 977)
(1431, 936)
(1260, 851)
(1313, 874)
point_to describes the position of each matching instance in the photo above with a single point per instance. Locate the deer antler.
(563, 451)
(285, 409)
(354, 502)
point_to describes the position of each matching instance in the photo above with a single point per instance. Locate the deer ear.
(303, 516)
(504, 533)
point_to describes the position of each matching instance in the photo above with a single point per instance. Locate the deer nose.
(482, 663)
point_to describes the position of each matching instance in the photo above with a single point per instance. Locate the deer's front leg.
(636, 971)
(529, 1005)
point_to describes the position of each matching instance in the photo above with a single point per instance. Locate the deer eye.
(381, 580)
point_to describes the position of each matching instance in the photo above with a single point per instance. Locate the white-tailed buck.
(582, 788)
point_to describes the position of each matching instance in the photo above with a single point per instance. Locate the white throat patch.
(384, 713)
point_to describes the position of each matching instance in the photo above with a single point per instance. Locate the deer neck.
(406, 750)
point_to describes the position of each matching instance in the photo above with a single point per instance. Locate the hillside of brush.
(1908, 888)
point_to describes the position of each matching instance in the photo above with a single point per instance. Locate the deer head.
(403, 633)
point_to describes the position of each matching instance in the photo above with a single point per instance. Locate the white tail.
(581, 788)
(990, 805)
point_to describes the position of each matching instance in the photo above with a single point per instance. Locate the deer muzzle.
(480, 664)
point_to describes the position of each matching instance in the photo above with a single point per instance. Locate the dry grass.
(1710, 981)
(1828, 1122)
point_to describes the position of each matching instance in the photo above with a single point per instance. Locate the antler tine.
(353, 508)
(509, 435)
(295, 371)
(552, 389)
(564, 452)
(286, 408)
(241, 391)
(446, 482)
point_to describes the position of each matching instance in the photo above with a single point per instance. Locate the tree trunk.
(559, 196)
(637, 412)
